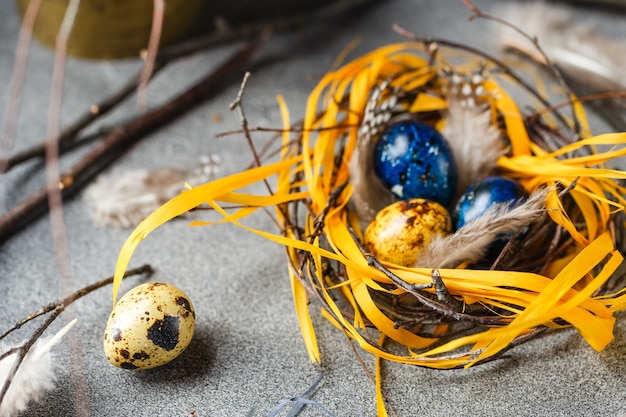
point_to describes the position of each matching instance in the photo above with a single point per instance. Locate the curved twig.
(56, 307)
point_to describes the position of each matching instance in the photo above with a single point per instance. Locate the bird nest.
(464, 303)
(457, 306)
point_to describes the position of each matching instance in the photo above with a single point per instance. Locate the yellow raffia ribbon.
(564, 295)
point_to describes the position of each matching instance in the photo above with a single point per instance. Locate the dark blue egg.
(413, 160)
(484, 194)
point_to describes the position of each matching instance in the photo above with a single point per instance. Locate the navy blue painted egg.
(413, 160)
(484, 194)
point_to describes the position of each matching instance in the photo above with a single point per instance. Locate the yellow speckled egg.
(400, 231)
(149, 326)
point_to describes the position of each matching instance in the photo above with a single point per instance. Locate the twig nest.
(414, 161)
(402, 230)
(151, 325)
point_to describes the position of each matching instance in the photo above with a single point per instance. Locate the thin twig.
(282, 130)
(226, 33)
(477, 13)
(67, 300)
(238, 104)
(443, 295)
(56, 308)
(52, 149)
(22, 351)
(582, 99)
(306, 395)
(306, 258)
(67, 137)
(416, 290)
(168, 55)
(519, 340)
(64, 145)
(151, 53)
(504, 68)
(17, 81)
(55, 200)
(123, 137)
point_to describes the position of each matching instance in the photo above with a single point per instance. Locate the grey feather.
(471, 242)
(124, 198)
(475, 142)
(370, 195)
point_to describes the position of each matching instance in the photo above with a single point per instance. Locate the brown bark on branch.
(126, 135)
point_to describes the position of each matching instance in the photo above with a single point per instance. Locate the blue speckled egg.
(484, 194)
(414, 161)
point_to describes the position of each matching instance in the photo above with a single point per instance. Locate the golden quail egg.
(149, 326)
(400, 231)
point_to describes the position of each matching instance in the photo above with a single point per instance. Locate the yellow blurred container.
(106, 29)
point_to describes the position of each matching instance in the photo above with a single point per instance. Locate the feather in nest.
(475, 141)
(471, 242)
(476, 144)
(589, 61)
(370, 194)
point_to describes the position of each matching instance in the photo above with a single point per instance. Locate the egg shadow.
(194, 363)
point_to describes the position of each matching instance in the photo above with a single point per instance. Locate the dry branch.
(126, 135)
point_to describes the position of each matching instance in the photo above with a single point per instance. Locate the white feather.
(35, 375)
(471, 242)
(125, 198)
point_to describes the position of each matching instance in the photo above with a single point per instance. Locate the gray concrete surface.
(247, 355)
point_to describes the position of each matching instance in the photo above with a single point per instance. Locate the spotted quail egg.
(413, 160)
(149, 326)
(400, 231)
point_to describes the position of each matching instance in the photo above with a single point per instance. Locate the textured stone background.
(247, 355)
